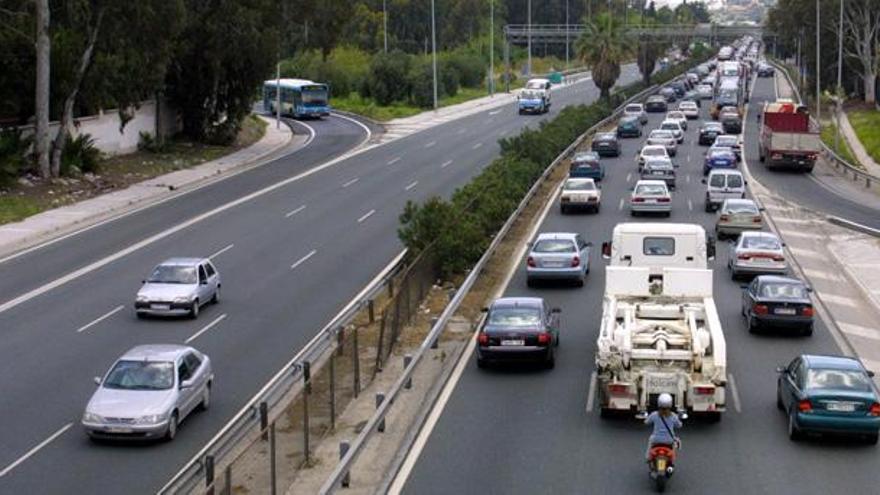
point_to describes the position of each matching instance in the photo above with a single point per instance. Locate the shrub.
(80, 155)
(471, 69)
(387, 81)
(148, 142)
(421, 84)
(13, 155)
(448, 79)
(345, 70)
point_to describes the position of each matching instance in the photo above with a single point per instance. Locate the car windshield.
(670, 126)
(553, 246)
(654, 152)
(853, 380)
(173, 274)
(661, 134)
(633, 109)
(762, 242)
(650, 190)
(784, 290)
(515, 317)
(531, 95)
(141, 375)
(579, 185)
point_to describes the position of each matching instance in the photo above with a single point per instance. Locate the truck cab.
(542, 85)
(659, 245)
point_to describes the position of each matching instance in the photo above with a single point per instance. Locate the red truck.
(787, 137)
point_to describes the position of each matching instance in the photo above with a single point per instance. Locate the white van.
(659, 245)
(543, 85)
(723, 184)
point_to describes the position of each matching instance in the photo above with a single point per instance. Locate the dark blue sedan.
(517, 328)
(828, 394)
(775, 302)
(586, 165)
(719, 158)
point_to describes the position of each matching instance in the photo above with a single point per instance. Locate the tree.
(646, 58)
(42, 85)
(603, 47)
(861, 22)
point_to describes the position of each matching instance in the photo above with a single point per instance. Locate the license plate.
(662, 382)
(117, 429)
(841, 406)
(763, 261)
(657, 172)
(160, 306)
(554, 264)
(582, 198)
(785, 311)
(513, 342)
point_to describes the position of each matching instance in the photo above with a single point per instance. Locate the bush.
(471, 69)
(14, 159)
(80, 155)
(448, 79)
(388, 81)
(148, 142)
(421, 84)
(345, 70)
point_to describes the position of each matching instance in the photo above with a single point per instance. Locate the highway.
(522, 430)
(294, 241)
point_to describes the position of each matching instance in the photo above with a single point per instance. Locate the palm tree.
(602, 47)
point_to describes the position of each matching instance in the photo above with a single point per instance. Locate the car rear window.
(515, 317)
(633, 108)
(650, 189)
(577, 185)
(670, 126)
(838, 379)
(554, 246)
(783, 290)
(762, 242)
(658, 246)
(734, 181)
(654, 152)
(716, 181)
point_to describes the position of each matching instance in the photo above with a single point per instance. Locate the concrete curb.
(161, 190)
(848, 224)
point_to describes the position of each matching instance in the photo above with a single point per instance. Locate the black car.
(606, 144)
(518, 328)
(679, 87)
(656, 104)
(629, 127)
(709, 131)
(669, 94)
(765, 70)
(731, 123)
(776, 302)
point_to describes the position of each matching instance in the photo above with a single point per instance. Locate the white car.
(756, 253)
(676, 128)
(679, 116)
(636, 110)
(723, 184)
(651, 151)
(664, 138)
(650, 196)
(178, 286)
(689, 109)
(706, 91)
(579, 193)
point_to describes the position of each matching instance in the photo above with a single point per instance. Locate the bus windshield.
(314, 96)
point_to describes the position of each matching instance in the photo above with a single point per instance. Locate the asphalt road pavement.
(294, 241)
(525, 430)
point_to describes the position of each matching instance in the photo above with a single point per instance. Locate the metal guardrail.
(345, 464)
(837, 161)
(214, 456)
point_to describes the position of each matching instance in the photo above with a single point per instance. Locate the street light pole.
(278, 95)
(491, 47)
(818, 68)
(385, 23)
(566, 34)
(529, 30)
(839, 76)
(434, 51)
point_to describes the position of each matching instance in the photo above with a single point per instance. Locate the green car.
(828, 394)
(629, 127)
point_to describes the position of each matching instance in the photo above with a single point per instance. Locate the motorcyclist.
(664, 422)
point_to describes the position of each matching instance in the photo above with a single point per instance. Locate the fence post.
(406, 360)
(380, 347)
(264, 419)
(340, 341)
(332, 393)
(371, 310)
(272, 458)
(227, 478)
(343, 449)
(391, 287)
(435, 342)
(356, 363)
(307, 383)
(379, 398)
(209, 474)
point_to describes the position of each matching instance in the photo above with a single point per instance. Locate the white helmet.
(664, 401)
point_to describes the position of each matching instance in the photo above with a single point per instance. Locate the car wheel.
(562, 210)
(871, 439)
(171, 432)
(216, 298)
(807, 332)
(779, 404)
(530, 283)
(597, 208)
(481, 363)
(551, 361)
(708, 207)
(206, 398)
(794, 433)
(140, 316)
(579, 282)
(668, 214)
(750, 322)
(194, 311)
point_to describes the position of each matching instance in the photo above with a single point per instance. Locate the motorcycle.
(661, 460)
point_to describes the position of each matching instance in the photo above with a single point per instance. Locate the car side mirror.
(809, 289)
(186, 384)
(556, 311)
(780, 369)
(870, 373)
(97, 380)
(484, 309)
(703, 181)
(606, 250)
(761, 209)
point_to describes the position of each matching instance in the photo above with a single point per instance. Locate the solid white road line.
(393, 161)
(361, 125)
(629, 176)
(414, 183)
(352, 181)
(591, 393)
(366, 216)
(476, 146)
(690, 205)
(34, 450)
(206, 328)
(218, 253)
(620, 205)
(446, 164)
(294, 212)
(431, 144)
(100, 319)
(735, 393)
(303, 259)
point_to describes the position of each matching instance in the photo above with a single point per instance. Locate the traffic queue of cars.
(820, 394)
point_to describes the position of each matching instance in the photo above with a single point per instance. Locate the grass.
(829, 130)
(118, 172)
(867, 126)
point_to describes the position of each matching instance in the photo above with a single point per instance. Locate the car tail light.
(483, 339)
(531, 262)
(663, 200)
(776, 156)
(778, 258)
(704, 390)
(725, 218)
(807, 311)
(543, 338)
(874, 410)
(805, 406)
(576, 261)
(744, 256)
(618, 388)
(756, 219)
(638, 200)
(760, 309)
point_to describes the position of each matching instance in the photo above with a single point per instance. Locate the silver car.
(736, 216)
(558, 256)
(636, 110)
(660, 169)
(650, 196)
(148, 392)
(179, 286)
(663, 138)
(756, 253)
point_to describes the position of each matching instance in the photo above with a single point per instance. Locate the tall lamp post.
(818, 71)
(434, 51)
(566, 34)
(491, 47)
(385, 23)
(529, 31)
(839, 76)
